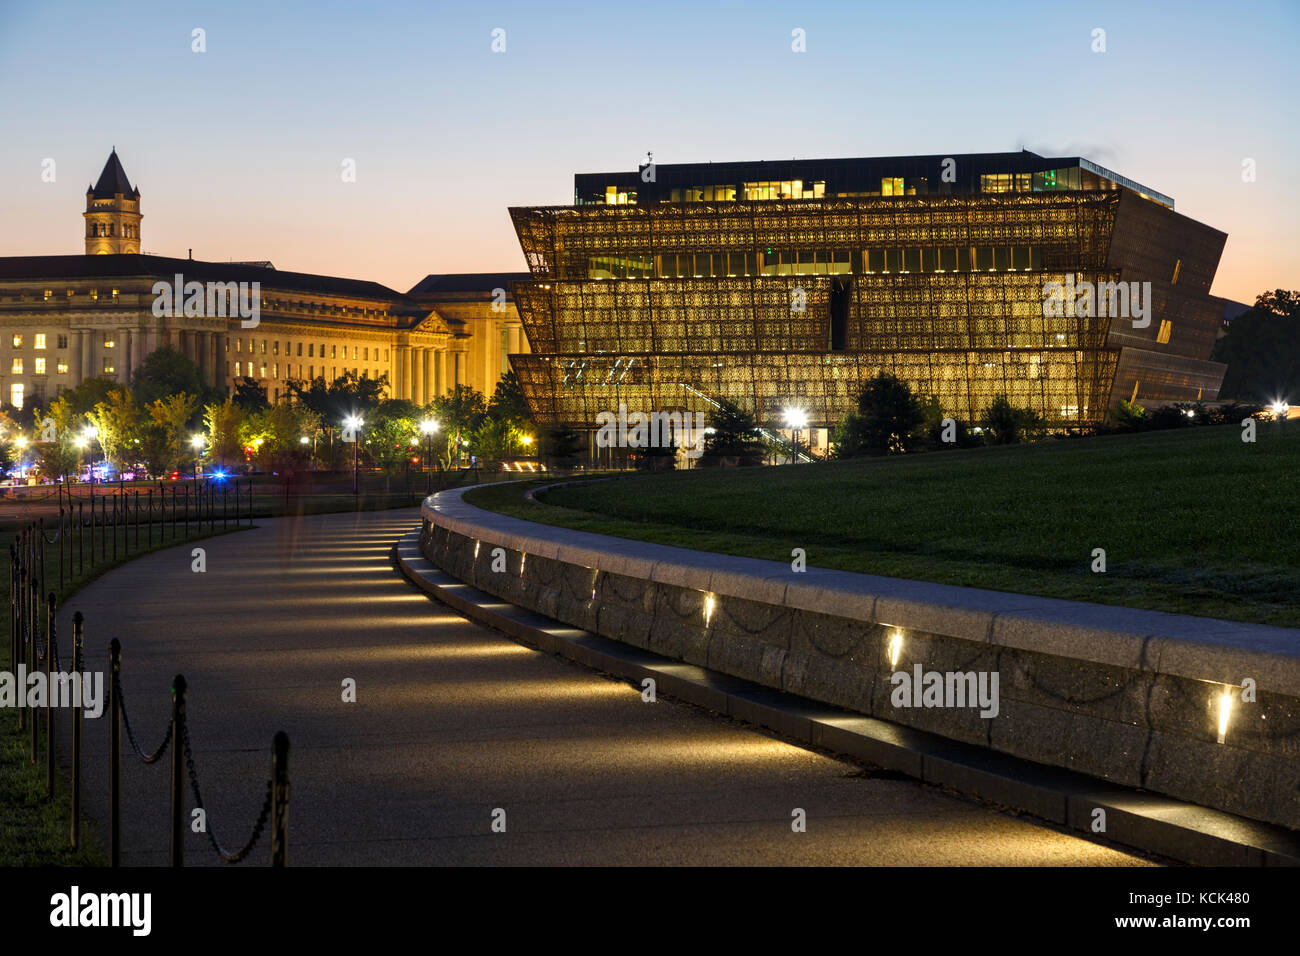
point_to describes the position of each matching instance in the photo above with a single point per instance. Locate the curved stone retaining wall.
(1133, 697)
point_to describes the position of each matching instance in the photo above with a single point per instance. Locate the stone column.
(417, 376)
(440, 371)
(126, 342)
(74, 356)
(430, 389)
(87, 354)
(214, 359)
(404, 359)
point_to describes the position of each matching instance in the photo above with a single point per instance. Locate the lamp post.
(427, 428)
(21, 442)
(1280, 410)
(527, 441)
(795, 419)
(197, 442)
(353, 425)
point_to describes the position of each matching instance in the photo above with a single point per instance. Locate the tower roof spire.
(113, 179)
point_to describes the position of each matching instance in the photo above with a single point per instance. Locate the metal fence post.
(78, 663)
(280, 800)
(33, 602)
(115, 751)
(50, 627)
(150, 518)
(20, 639)
(178, 772)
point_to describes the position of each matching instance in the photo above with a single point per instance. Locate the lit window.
(263, 346)
(40, 341)
(334, 351)
(17, 367)
(275, 370)
(16, 395)
(94, 293)
(61, 367)
(239, 345)
(1166, 329)
(108, 340)
(38, 366)
(68, 293)
(238, 366)
(108, 366)
(49, 294)
(263, 375)
(18, 341)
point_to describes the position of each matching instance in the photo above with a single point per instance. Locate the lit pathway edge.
(1194, 708)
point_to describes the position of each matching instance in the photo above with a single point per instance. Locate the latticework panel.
(1072, 229)
(1067, 387)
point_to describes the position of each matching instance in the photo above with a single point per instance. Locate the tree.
(166, 372)
(275, 434)
(889, 419)
(458, 413)
(118, 421)
(164, 436)
(509, 405)
(250, 396)
(223, 421)
(332, 402)
(734, 439)
(493, 440)
(60, 456)
(88, 394)
(391, 429)
(1009, 425)
(1262, 350)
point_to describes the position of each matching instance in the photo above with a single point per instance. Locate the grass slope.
(1194, 521)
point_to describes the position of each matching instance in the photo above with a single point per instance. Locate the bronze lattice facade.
(798, 301)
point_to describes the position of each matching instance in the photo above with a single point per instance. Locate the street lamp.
(21, 442)
(427, 429)
(197, 443)
(353, 424)
(1280, 409)
(795, 419)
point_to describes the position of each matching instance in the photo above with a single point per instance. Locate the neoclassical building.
(66, 318)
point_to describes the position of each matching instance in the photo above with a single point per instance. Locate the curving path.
(453, 721)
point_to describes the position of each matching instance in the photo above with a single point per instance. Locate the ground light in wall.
(1280, 409)
(709, 604)
(895, 649)
(1225, 711)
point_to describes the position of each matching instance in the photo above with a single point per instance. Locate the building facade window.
(17, 367)
(38, 340)
(17, 341)
(16, 394)
(108, 366)
(61, 366)
(38, 366)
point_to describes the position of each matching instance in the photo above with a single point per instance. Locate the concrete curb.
(1137, 819)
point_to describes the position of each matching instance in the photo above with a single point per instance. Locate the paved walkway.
(453, 721)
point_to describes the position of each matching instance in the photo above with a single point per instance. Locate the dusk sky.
(238, 150)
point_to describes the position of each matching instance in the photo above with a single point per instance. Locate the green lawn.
(1193, 520)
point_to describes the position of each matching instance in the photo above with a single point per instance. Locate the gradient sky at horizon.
(237, 151)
